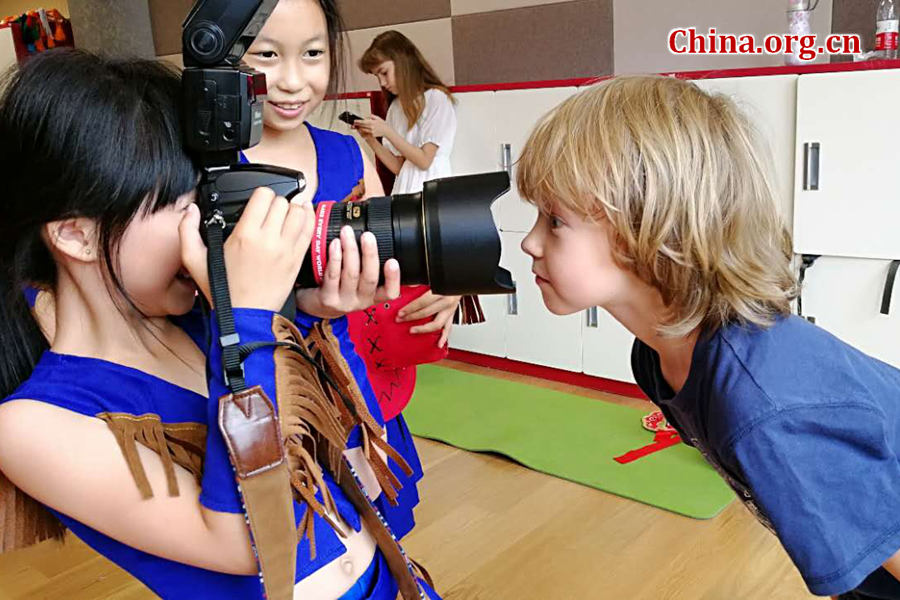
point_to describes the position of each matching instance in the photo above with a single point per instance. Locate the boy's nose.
(530, 245)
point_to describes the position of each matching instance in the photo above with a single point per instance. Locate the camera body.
(222, 97)
(223, 109)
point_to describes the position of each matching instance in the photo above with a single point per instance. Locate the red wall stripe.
(601, 384)
(869, 65)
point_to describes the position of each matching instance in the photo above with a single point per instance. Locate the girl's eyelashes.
(314, 54)
(264, 54)
(556, 222)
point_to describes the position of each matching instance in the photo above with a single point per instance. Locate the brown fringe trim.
(329, 352)
(310, 425)
(315, 421)
(23, 520)
(421, 573)
(183, 444)
(357, 193)
(469, 311)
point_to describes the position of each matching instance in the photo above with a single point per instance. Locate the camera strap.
(249, 424)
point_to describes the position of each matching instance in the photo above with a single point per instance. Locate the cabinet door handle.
(512, 304)
(811, 166)
(506, 158)
(592, 318)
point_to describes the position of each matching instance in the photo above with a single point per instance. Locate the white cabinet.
(516, 112)
(476, 148)
(606, 346)
(770, 104)
(533, 334)
(486, 120)
(846, 200)
(844, 296)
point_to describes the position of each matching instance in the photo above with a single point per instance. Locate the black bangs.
(158, 150)
(91, 137)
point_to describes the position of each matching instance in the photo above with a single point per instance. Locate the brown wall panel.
(360, 14)
(166, 17)
(556, 41)
(463, 7)
(120, 28)
(855, 16)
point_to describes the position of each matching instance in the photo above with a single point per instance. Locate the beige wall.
(642, 29)
(9, 8)
(434, 38)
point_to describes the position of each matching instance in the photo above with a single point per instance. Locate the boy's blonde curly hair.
(678, 174)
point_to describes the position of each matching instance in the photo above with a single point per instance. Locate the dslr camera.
(444, 237)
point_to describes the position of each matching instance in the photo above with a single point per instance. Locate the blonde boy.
(656, 205)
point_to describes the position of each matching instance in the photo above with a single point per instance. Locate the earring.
(87, 251)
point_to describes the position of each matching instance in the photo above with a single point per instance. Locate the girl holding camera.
(111, 430)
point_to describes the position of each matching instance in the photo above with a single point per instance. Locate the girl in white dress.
(417, 136)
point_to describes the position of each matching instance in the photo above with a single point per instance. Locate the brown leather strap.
(250, 427)
(396, 560)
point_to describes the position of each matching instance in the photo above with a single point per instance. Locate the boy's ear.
(75, 238)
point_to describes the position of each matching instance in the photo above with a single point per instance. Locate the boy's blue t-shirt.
(806, 430)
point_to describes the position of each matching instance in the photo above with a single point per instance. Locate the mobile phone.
(349, 118)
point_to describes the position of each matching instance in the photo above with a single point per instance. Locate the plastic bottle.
(887, 25)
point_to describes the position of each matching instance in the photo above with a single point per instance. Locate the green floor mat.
(564, 435)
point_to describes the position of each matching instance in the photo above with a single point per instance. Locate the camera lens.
(444, 237)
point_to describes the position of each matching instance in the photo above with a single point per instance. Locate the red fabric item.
(391, 352)
(393, 388)
(662, 440)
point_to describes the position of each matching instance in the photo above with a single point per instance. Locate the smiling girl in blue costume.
(112, 430)
(300, 50)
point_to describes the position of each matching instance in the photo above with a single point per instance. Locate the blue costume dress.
(340, 172)
(98, 388)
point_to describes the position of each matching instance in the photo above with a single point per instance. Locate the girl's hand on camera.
(429, 304)
(263, 254)
(347, 285)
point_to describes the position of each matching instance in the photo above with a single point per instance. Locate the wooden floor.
(489, 529)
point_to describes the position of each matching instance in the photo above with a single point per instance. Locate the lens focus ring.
(380, 224)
